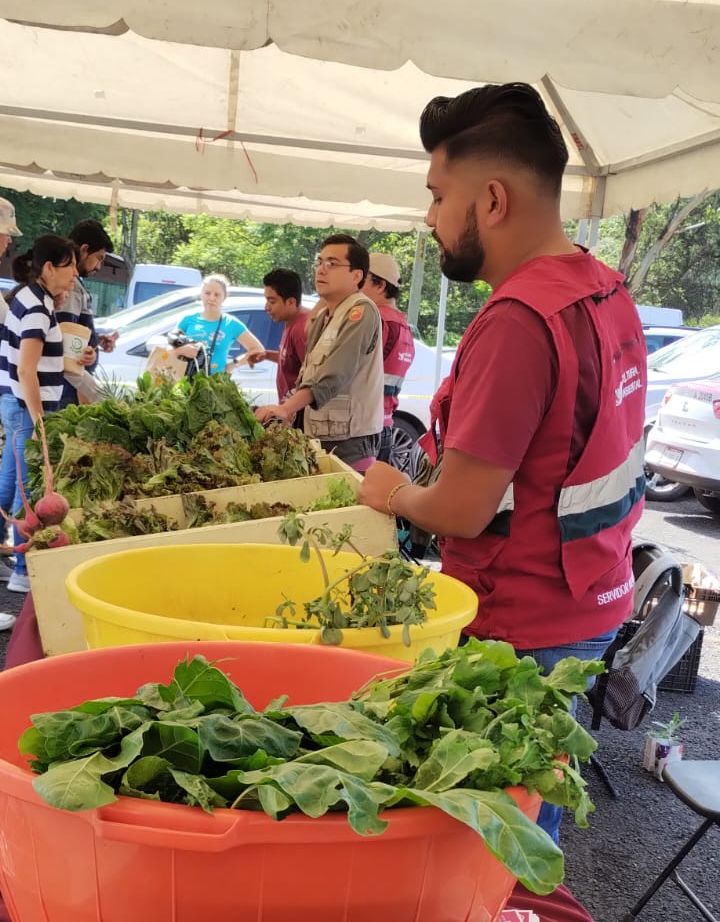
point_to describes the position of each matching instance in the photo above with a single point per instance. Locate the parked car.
(148, 280)
(684, 444)
(165, 303)
(137, 339)
(659, 337)
(692, 358)
(660, 316)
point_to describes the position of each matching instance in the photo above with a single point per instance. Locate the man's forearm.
(300, 399)
(461, 503)
(434, 514)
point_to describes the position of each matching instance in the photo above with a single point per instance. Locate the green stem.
(318, 554)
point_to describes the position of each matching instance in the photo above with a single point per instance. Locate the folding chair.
(697, 784)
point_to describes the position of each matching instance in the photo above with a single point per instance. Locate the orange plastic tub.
(153, 862)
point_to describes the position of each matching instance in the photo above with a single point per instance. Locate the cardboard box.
(701, 603)
(60, 622)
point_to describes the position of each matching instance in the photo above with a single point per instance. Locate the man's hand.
(274, 411)
(377, 484)
(88, 356)
(258, 355)
(107, 341)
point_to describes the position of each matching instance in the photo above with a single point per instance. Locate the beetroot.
(51, 508)
(30, 524)
(60, 539)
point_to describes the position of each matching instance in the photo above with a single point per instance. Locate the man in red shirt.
(540, 422)
(382, 286)
(283, 297)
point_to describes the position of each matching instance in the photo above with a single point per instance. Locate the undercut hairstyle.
(358, 256)
(507, 122)
(286, 283)
(93, 235)
(392, 292)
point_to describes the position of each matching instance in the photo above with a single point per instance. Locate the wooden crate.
(59, 621)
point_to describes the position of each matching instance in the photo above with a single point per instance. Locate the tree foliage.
(684, 272)
(37, 215)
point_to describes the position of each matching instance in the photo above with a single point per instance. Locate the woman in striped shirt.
(31, 363)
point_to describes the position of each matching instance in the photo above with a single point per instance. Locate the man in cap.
(382, 286)
(8, 230)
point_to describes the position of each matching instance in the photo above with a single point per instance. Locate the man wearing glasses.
(341, 381)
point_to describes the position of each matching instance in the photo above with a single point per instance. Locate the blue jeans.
(15, 421)
(550, 816)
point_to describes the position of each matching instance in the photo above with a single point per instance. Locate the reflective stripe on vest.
(500, 525)
(392, 384)
(589, 508)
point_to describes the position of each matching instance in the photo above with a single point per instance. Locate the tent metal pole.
(417, 277)
(440, 338)
(593, 233)
(582, 232)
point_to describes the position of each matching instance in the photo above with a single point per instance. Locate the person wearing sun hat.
(8, 230)
(382, 286)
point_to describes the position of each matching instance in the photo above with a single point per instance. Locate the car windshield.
(163, 323)
(694, 356)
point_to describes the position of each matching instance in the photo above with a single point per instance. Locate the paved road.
(686, 529)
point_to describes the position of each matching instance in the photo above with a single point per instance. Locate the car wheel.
(708, 501)
(660, 490)
(405, 453)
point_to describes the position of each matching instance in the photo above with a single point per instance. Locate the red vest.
(397, 359)
(555, 566)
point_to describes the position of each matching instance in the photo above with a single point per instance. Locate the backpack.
(649, 644)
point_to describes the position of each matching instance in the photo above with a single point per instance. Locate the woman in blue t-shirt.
(215, 331)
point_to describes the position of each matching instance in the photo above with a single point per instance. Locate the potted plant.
(662, 745)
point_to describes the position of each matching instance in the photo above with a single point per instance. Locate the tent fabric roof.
(291, 110)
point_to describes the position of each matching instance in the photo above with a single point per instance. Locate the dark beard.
(464, 263)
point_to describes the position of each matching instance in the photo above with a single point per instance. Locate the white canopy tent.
(293, 110)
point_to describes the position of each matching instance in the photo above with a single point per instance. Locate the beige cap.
(385, 267)
(7, 219)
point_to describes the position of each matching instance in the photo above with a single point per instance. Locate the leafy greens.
(453, 732)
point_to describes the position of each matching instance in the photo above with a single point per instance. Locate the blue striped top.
(31, 316)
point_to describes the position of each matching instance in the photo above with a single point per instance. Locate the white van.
(149, 280)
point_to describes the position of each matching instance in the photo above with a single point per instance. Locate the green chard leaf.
(227, 740)
(452, 758)
(518, 842)
(329, 723)
(198, 680)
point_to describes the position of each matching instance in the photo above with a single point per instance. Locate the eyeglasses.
(330, 264)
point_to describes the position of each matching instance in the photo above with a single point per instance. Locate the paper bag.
(163, 363)
(75, 339)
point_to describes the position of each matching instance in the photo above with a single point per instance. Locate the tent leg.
(593, 233)
(440, 338)
(417, 277)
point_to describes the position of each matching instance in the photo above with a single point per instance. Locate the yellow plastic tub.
(227, 591)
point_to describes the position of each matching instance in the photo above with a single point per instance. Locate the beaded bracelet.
(391, 494)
